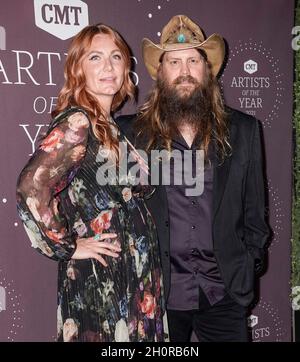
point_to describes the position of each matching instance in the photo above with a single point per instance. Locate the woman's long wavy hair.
(157, 133)
(74, 92)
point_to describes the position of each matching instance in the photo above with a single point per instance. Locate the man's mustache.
(185, 78)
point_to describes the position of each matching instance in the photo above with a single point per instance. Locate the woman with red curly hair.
(101, 234)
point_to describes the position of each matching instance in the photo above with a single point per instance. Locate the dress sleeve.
(48, 172)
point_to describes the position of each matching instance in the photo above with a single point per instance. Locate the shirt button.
(193, 227)
(193, 202)
(167, 223)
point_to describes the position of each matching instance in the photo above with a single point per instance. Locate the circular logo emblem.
(255, 81)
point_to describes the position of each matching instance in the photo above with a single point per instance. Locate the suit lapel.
(221, 172)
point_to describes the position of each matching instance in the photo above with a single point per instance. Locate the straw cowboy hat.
(181, 33)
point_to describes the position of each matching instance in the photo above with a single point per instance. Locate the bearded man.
(213, 243)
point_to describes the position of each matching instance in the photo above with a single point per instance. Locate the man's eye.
(173, 62)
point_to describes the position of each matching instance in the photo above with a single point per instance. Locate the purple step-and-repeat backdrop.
(258, 79)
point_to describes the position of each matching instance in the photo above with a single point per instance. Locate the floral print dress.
(59, 200)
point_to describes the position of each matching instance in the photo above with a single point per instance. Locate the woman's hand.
(93, 247)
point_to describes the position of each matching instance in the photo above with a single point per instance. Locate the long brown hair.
(152, 129)
(74, 93)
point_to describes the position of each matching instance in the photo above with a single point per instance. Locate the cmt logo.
(252, 321)
(2, 299)
(61, 18)
(250, 66)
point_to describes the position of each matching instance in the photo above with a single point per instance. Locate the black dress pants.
(225, 321)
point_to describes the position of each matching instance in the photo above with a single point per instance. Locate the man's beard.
(180, 107)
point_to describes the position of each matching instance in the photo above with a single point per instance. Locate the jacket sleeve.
(49, 171)
(256, 228)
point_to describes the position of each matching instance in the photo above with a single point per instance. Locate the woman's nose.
(107, 65)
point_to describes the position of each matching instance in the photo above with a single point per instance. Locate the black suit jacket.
(239, 229)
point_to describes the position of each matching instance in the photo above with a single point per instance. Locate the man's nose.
(185, 70)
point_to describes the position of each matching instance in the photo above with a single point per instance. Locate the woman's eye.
(94, 57)
(117, 56)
